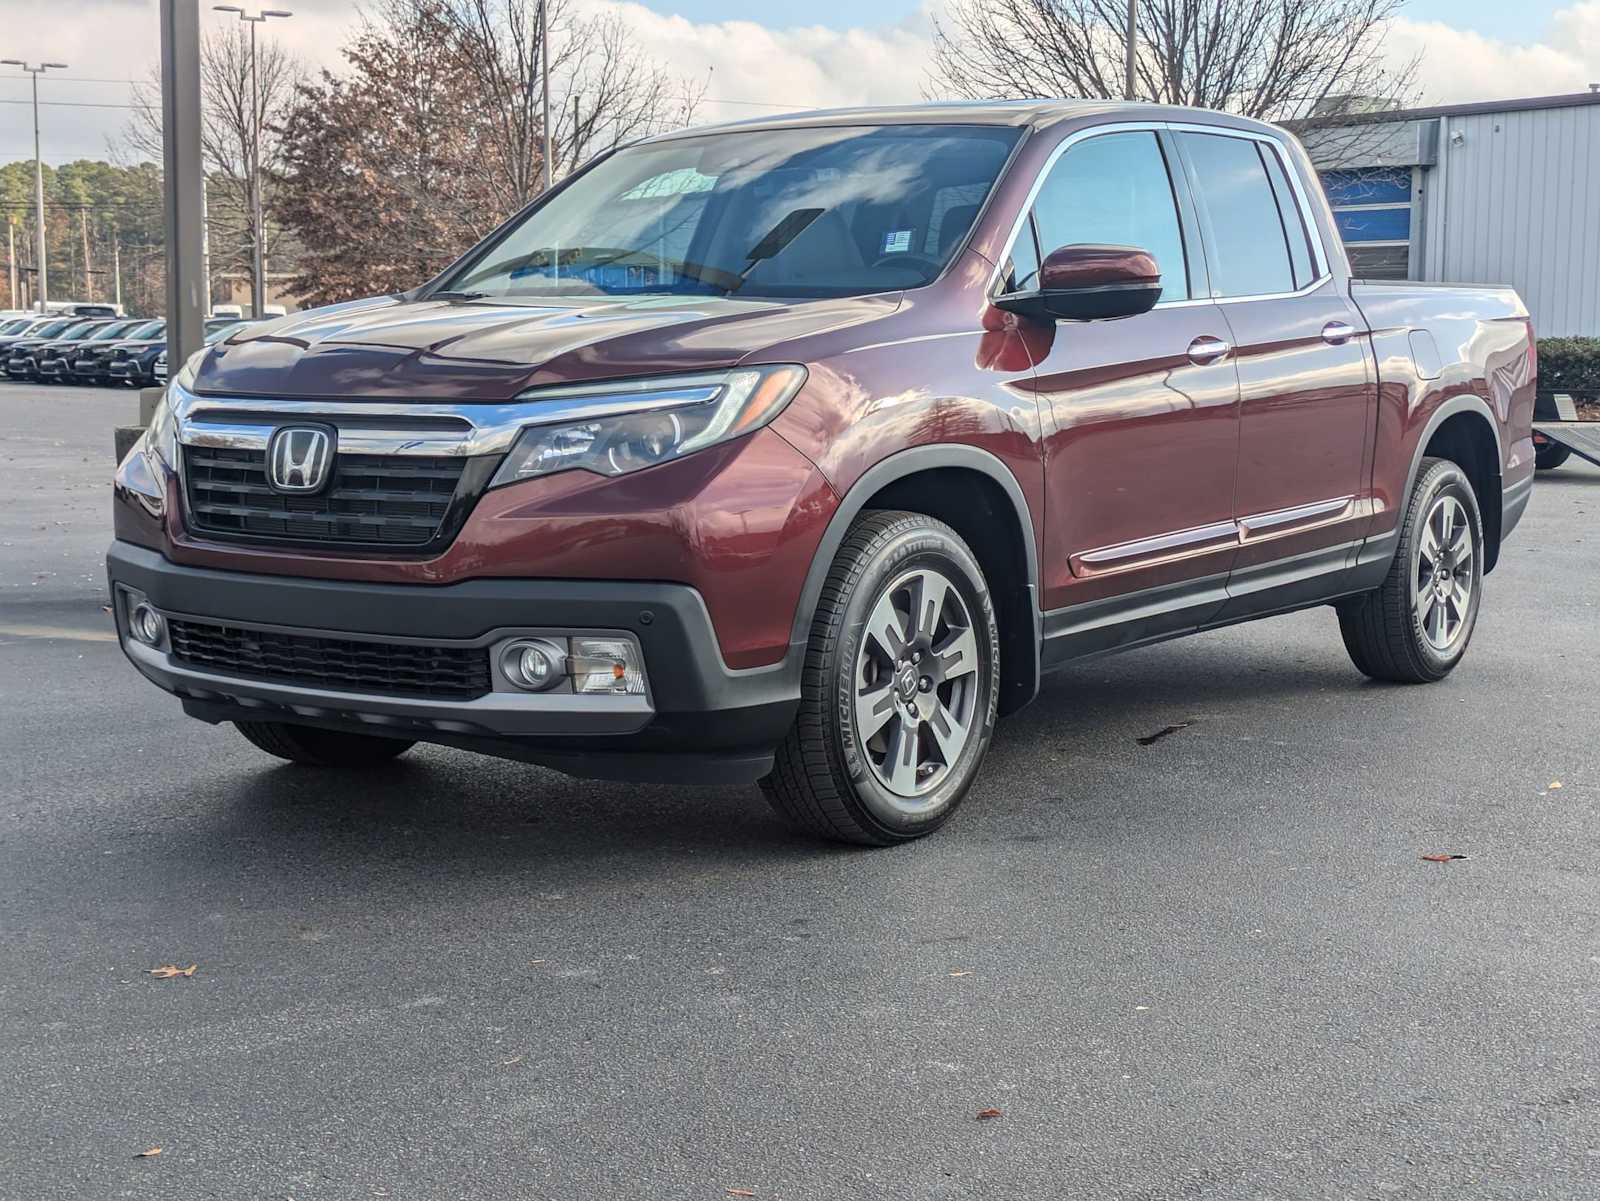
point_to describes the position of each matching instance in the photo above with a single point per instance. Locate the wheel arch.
(1463, 430)
(943, 481)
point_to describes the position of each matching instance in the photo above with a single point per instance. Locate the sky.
(755, 55)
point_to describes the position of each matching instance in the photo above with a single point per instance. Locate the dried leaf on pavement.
(1555, 783)
(741, 1192)
(168, 970)
(150, 1154)
(967, 973)
(985, 1115)
(1441, 858)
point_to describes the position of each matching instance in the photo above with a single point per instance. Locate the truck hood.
(489, 351)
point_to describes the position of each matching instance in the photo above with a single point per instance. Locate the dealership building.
(1501, 192)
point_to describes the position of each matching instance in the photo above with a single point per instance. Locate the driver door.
(1141, 413)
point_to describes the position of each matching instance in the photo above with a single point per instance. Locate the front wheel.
(899, 689)
(1416, 626)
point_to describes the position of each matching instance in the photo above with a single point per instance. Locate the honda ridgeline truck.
(796, 451)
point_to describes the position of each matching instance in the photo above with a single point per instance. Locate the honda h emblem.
(300, 458)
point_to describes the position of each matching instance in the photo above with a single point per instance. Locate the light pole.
(42, 288)
(1130, 91)
(544, 78)
(258, 288)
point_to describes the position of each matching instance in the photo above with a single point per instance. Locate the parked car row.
(112, 351)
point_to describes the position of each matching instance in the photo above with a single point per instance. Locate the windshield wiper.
(776, 241)
(456, 296)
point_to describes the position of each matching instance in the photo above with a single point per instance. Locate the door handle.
(1337, 333)
(1206, 349)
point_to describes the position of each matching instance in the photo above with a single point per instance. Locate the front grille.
(373, 500)
(337, 664)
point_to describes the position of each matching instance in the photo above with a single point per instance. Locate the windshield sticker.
(896, 241)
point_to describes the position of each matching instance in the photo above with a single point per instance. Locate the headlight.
(615, 428)
(161, 438)
(185, 378)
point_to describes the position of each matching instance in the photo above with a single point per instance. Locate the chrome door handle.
(1337, 333)
(1206, 349)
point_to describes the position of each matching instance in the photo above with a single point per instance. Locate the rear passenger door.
(1308, 399)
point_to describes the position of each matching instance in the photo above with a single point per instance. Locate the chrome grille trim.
(426, 428)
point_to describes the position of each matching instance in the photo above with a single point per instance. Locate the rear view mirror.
(1090, 283)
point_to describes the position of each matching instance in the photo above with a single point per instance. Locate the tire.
(321, 748)
(1415, 627)
(1550, 456)
(940, 688)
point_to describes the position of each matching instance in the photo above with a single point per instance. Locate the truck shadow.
(447, 807)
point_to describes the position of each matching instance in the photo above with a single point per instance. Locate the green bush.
(1570, 365)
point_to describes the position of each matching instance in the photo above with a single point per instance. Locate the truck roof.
(1040, 113)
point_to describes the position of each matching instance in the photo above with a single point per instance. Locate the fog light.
(145, 624)
(536, 666)
(606, 665)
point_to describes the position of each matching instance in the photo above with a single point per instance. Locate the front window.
(117, 329)
(150, 329)
(838, 211)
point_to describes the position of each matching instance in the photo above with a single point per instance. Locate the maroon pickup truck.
(797, 450)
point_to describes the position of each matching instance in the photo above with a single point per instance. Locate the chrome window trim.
(381, 428)
(1290, 168)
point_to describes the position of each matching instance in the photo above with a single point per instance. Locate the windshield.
(115, 330)
(802, 212)
(15, 327)
(150, 329)
(76, 331)
(50, 329)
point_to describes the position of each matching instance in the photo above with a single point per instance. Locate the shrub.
(1570, 365)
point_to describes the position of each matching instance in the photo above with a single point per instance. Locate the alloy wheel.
(1444, 573)
(916, 685)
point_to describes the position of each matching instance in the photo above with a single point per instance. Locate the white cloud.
(1458, 65)
(766, 68)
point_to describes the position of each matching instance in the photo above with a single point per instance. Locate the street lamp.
(38, 170)
(257, 230)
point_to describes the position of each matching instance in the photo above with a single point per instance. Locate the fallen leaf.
(741, 1192)
(168, 970)
(505, 1063)
(961, 973)
(1555, 783)
(1163, 732)
(1441, 858)
(150, 1154)
(985, 1115)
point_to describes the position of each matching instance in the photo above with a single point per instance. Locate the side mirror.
(1089, 283)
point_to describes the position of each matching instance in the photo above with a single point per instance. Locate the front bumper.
(699, 722)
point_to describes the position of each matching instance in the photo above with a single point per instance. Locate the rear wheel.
(1550, 455)
(321, 748)
(899, 688)
(1416, 626)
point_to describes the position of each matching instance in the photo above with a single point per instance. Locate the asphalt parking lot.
(1215, 966)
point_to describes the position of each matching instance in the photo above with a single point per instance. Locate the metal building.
(1500, 192)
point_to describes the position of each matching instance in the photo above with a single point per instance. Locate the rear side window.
(1248, 250)
(1114, 190)
(1301, 257)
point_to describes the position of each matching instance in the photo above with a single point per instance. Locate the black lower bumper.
(701, 721)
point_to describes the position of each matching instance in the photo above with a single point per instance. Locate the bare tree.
(228, 121)
(603, 90)
(1274, 59)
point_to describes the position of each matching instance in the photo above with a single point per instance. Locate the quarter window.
(1114, 190)
(1247, 248)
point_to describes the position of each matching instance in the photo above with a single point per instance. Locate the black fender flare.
(1465, 403)
(899, 466)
